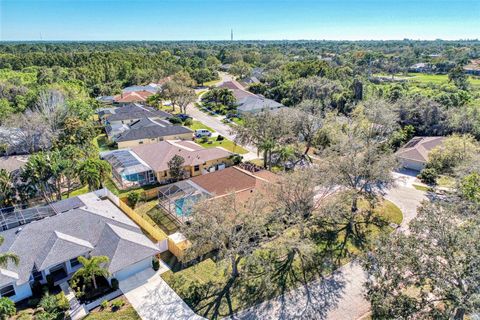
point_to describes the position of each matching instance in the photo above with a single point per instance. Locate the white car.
(202, 133)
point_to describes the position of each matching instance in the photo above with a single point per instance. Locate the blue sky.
(250, 19)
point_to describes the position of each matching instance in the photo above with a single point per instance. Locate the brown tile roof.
(473, 65)
(157, 155)
(418, 148)
(134, 96)
(233, 179)
(232, 85)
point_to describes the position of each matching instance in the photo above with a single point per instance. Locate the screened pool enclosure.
(128, 169)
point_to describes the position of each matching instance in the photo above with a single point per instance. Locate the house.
(132, 97)
(420, 67)
(51, 240)
(151, 87)
(148, 130)
(257, 103)
(473, 67)
(148, 163)
(13, 164)
(178, 198)
(414, 154)
(130, 113)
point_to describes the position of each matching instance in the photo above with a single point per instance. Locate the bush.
(220, 138)
(236, 158)
(104, 304)
(62, 302)
(114, 283)
(133, 198)
(7, 308)
(155, 264)
(49, 303)
(175, 120)
(24, 315)
(204, 139)
(188, 122)
(117, 304)
(428, 176)
(44, 315)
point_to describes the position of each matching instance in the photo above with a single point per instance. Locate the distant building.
(148, 163)
(256, 104)
(132, 97)
(420, 67)
(13, 164)
(473, 67)
(414, 154)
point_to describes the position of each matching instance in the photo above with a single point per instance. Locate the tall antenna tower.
(231, 34)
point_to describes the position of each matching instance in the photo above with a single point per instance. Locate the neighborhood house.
(48, 241)
(414, 154)
(148, 163)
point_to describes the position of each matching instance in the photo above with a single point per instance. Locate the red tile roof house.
(133, 96)
(414, 154)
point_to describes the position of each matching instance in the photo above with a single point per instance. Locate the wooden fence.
(151, 230)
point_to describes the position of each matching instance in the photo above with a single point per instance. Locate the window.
(37, 276)
(196, 168)
(74, 262)
(7, 291)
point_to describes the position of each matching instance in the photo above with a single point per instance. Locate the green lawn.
(199, 125)
(76, 192)
(101, 141)
(156, 217)
(127, 312)
(421, 188)
(110, 185)
(438, 79)
(225, 143)
(199, 285)
(211, 83)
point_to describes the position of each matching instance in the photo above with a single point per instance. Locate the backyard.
(207, 285)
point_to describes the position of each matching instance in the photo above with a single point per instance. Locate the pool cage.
(177, 199)
(129, 170)
(13, 217)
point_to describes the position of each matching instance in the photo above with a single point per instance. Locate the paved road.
(340, 296)
(217, 124)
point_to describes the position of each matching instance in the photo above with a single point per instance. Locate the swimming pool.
(183, 206)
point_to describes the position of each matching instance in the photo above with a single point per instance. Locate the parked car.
(183, 116)
(202, 133)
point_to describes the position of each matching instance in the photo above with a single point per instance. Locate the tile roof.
(232, 179)
(147, 128)
(74, 232)
(418, 148)
(133, 96)
(157, 155)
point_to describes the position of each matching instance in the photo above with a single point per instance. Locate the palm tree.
(92, 268)
(7, 193)
(93, 172)
(7, 257)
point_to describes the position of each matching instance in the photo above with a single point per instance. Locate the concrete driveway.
(153, 299)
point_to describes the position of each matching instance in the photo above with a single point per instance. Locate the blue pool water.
(181, 210)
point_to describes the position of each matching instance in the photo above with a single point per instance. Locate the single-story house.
(178, 198)
(130, 113)
(473, 68)
(420, 67)
(132, 96)
(13, 164)
(257, 103)
(148, 163)
(49, 244)
(151, 87)
(414, 154)
(148, 130)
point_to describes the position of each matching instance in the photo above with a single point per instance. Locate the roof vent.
(18, 230)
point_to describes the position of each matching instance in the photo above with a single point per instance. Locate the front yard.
(206, 285)
(125, 312)
(225, 143)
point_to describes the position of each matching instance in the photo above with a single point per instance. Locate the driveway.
(153, 299)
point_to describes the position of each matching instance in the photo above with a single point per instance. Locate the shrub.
(133, 198)
(44, 315)
(188, 122)
(104, 304)
(62, 302)
(204, 139)
(236, 158)
(7, 308)
(117, 304)
(155, 264)
(428, 176)
(49, 303)
(220, 138)
(175, 120)
(114, 283)
(24, 315)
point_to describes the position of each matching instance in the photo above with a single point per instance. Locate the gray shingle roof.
(257, 103)
(148, 129)
(134, 111)
(66, 235)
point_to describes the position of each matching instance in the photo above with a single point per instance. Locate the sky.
(249, 19)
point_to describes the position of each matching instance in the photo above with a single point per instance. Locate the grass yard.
(127, 312)
(101, 141)
(446, 182)
(225, 143)
(156, 217)
(204, 283)
(438, 79)
(110, 185)
(199, 125)
(211, 83)
(76, 192)
(422, 188)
